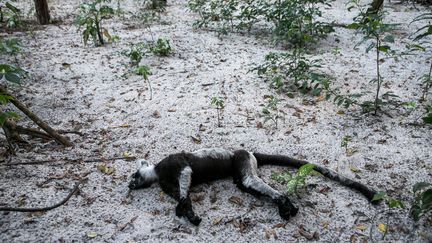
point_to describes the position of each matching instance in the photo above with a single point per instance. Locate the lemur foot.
(286, 208)
(184, 209)
(195, 220)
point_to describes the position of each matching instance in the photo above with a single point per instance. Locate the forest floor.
(88, 89)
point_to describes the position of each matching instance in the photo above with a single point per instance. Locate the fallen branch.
(55, 135)
(93, 160)
(10, 209)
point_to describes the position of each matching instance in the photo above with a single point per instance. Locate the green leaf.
(353, 26)
(428, 119)
(384, 48)
(379, 196)
(415, 212)
(394, 203)
(427, 200)
(370, 47)
(420, 186)
(12, 77)
(389, 38)
(6, 115)
(305, 170)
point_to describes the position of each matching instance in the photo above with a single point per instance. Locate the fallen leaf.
(126, 154)
(196, 139)
(350, 152)
(105, 169)
(217, 221)
(354, 169)
(236, 200)
(92, 234)
(340, 112)
(156, 114)
(121, 126)
(382, 228)
(361, 227)
(66, 65)
(280, 225)
(172, 110)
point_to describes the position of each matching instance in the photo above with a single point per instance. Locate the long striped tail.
(281, 160)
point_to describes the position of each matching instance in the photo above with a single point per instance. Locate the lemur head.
(144, 177)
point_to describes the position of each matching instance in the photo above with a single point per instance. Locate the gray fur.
(250, 179)
(149, 173)
(215, 153)
(185, 181)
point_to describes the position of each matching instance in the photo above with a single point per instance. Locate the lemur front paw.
(195, 220)
(286, 208)
(184, 209)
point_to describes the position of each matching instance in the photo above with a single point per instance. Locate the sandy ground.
(95, 97)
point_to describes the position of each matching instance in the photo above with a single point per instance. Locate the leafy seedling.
(270, 112)
(391, 202)
(379, 38)
(422, 204)
(144, 71)
(10, 14)
(162, 47)
(90, 17)
(218, 103)
(293, 182)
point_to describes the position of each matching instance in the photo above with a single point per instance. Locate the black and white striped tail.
(281, 160)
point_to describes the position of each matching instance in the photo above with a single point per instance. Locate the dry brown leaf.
(236, 200)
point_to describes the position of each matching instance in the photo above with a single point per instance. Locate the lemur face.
(142, 178)
(137, 181)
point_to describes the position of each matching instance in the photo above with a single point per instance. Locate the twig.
(122, 227)
(45, 208)
(94, 160)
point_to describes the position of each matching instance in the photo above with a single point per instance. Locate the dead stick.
(122, 227)
(60, 139)
(94, 160)
(46, 208)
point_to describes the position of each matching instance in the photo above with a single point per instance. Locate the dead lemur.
(177, 172)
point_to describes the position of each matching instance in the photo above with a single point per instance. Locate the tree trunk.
(375, 6)
(42, 11)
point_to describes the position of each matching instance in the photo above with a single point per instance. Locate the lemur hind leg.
(184, 207)
(246, 177)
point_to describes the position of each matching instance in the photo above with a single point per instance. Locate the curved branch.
(10, 209)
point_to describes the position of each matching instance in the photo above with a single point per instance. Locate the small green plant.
(293, 22)
(293, 182)
(422, 204)
(270, 112)
(428, 115)
(14, 75)
(90, 17)
(377, 34)
(345, 141)
(10, 46)
(162, 47)
(291, 71)
(11, 73)
(391, 202)
(10, 14)
(218, 103)
(144, 71)
(135, 53)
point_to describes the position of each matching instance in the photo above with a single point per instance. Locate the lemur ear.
(141, 163)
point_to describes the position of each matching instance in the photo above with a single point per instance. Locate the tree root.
(11, 209)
